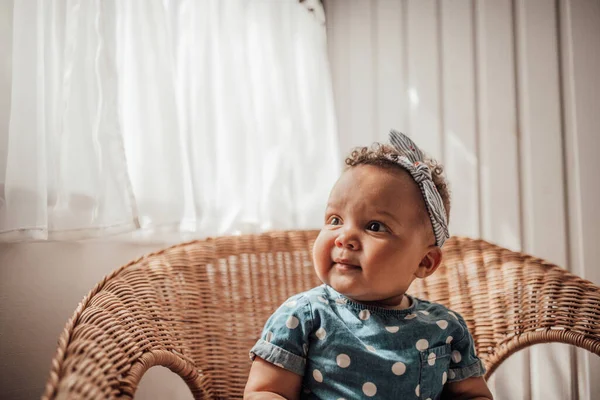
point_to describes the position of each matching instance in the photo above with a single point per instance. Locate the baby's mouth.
(345, 265)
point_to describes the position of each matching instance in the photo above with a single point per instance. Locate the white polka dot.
(399, 368)
(449, 339)
(444, 378)
(318, 375)
(442, 323)
(305, 348)
(451, 374)
(343, 360)
(410, 316)
(392, 329)
(369, 389)
(341, 398)
(364, 315)
(279, 365)
(322, 299)
(321, 333)
(269, 336)
(424, 312)
(418, 390)
(370, 348)
(431, 359)
(292, 322)
(291, 304)
(429, 398)
(454, 315)
(422, 344)
(341, 300)
(456, 357)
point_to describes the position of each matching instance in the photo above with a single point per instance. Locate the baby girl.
(359, 334)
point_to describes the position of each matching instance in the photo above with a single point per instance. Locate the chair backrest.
(197, 308)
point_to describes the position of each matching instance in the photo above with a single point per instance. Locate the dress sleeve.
(464, 361)
(284, 339)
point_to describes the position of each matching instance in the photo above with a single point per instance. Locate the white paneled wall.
(506, 94)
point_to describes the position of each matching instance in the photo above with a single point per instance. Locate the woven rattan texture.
(197, 308)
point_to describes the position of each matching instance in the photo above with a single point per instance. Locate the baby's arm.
(465, 377)
(267, 381)
(468, 389)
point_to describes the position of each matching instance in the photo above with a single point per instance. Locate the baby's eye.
(376, 227)
(334, 221)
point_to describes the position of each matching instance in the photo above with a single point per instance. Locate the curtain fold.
(176, 117)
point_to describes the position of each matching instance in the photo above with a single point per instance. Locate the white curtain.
(173, 116)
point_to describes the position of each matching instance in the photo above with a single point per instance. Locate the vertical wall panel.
(498, 124)
(541, 131)
(390, 69)
(459, 114)
(424, 85)
(542, 170)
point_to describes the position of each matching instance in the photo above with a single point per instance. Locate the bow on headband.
(412, 159)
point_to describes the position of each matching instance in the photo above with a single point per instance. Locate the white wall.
(40, 287)
(505, 94)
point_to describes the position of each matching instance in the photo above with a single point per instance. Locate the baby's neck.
(393, 303)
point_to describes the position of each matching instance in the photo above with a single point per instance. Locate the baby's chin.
(351, 288)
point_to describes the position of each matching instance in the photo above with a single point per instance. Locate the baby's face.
(373, 240)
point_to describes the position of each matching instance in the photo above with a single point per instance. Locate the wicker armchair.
(197, 308)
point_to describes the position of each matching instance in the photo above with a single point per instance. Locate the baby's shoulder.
(305, 299)
(318, 293)
(443, 316)
(303, 306)
(317, 301)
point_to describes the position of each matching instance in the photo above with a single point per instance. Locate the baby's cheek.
(322, 253)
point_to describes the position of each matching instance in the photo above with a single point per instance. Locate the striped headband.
(412, 159)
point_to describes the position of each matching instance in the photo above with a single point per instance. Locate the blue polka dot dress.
(347, 350)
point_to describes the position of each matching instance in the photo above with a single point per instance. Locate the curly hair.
(376, 155)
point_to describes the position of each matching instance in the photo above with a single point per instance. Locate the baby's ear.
(430, 262)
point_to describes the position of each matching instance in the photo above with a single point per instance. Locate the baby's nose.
(347, 241)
